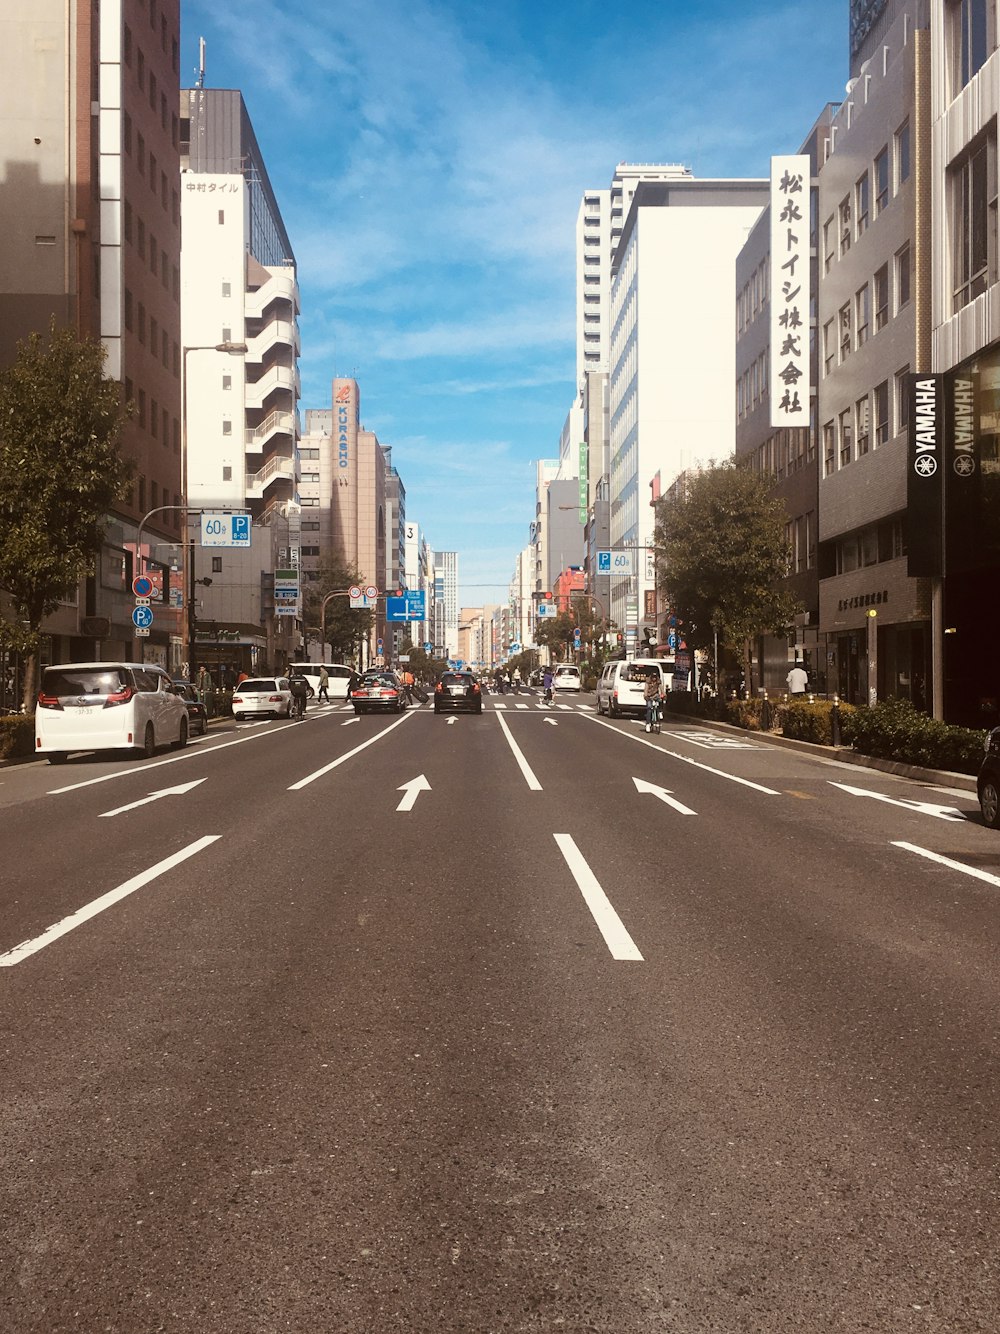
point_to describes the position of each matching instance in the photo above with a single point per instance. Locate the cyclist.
(301, 691)
(651, 694)
(547, 684)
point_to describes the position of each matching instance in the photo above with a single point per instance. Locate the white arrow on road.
(551, 722)
(921, 807)
(411, 791)
(452, 722)
(154, 796)
(664, 795)
(349, 721)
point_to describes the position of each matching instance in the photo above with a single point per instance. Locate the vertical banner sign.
(789, 332)
(925, 477)
(962, 489)
(584, 482)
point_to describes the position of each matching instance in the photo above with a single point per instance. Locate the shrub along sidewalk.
(893, 730)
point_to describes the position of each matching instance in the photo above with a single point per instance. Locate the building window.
(844, 214)
(140, 238)
(881, 401)
(862, 425)
(974, 219)
(142, 324)
(861, 192)
(829, 347)
(902, 142)
(970, 38)
(227, 426)
(128, 310)
(829, 448)
(882, 297)
(902, 397)
(862, 315)
(227, 382)
(844, 334)
(154, 418)
(902, 278)
(829, 243)
(142, 408)
(846, 449)
(882, 180)
(222, 217)
(217, 560)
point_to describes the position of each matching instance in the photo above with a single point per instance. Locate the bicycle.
(654, 712)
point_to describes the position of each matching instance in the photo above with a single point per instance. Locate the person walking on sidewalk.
(797, 679)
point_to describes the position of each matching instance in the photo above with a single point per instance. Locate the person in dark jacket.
(301, 691)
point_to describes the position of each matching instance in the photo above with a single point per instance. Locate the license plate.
(81, 708)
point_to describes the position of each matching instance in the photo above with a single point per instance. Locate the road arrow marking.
(411, 791)
(154, 796)
(452, 722)
(664, 795)
(551, 722)
(921, 807)
(349, 721)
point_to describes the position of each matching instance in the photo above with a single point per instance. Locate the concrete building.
(965, 350)
(873, 326)
(89, 181)
(672, 356)
(445, 565)
(318, 476)
(788, 455)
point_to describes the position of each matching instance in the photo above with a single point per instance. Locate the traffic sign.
(142, 617)
(428, 647)
(142, 586)
(354, 591)
(616, 562)
(141, 632)
(576, 635)
(371, 591)
(378, 645)
(142, 602)
(225, 530)
(547, 609)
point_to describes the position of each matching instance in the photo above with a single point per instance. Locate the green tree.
(347, 628)
(723, 559)
(424, 666)
(61, 472)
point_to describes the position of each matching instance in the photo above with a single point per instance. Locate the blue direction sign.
(428, 647)
(142, 617)
(409, 607)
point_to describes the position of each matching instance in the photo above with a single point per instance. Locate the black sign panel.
(962, 491)
(925, 476)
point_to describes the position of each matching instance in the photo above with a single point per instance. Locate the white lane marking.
(714, 740)
(610, 925)
(663, 793)
(311, 778)
(411, 791)
(189, 754)
(567, 707)
(499, 706)
(177, 791)
(921, 807)
(347, 721)
(113, 896)
(523, 764)
(521, 706)
(686, 759)
(585, 708)
(947, 861)
(551, 722)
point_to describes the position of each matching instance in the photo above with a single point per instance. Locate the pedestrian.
(651, 694)
(797, 679)
(547, 685)
(241, 678)
(324, 681)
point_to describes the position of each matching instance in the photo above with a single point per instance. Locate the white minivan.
(622, 684)
(339, 675)
(566, 677)
(107, 706)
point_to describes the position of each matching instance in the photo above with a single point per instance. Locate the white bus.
(339, 676)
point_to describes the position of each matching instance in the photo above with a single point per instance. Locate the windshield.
(62, 681)
(252, 687)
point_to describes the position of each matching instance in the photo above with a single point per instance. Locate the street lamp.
(235, 349)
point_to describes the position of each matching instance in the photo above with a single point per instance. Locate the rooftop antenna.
(201, 63)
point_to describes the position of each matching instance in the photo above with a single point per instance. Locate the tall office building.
(89, 149)
(445, 564)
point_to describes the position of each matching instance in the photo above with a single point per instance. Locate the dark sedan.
(988, 781)
(379, 692)
(458, 690)
(197, 712)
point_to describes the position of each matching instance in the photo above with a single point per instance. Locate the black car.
(458, 690)
(378, 692)
(197, 712)
(988, 781)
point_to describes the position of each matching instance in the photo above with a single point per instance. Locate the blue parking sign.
(241, 530)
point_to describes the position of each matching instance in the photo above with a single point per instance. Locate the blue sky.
(429, 159)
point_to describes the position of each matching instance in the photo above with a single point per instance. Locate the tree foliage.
(61, 471)
(346, 628)
(723, 558)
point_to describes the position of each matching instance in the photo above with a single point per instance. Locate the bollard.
(835, 721)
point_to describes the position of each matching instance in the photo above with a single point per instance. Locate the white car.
(107, 706)
(566, 677)
(262, 696)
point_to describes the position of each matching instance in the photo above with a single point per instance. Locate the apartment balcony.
(279, 379)
(275, 423)
(279, 287)
(278, 474)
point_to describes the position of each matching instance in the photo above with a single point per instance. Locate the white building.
(445, 565)
(672, 354)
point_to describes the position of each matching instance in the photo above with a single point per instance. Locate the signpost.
(225, 530)
(409, 607)
(616, 562)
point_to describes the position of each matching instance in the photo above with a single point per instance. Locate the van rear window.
(61, 681)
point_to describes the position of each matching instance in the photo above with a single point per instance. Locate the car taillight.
(47, 701)
(274, 699)
(390, 693)
(238, 699)
(119, 697)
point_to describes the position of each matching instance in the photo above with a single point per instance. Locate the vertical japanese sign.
(584, 482)
(925, 477)
(789, 369)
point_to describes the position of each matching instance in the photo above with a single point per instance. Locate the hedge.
(17, 736)
(895, 730)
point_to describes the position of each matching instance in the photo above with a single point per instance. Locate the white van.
(621, 686)
(566, 677)
(339, 676)
(107, 706)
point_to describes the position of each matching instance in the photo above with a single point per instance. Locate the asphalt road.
(519, 1022)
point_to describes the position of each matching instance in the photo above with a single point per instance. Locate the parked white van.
(107, 706)
(621, 685)
(339, 676)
